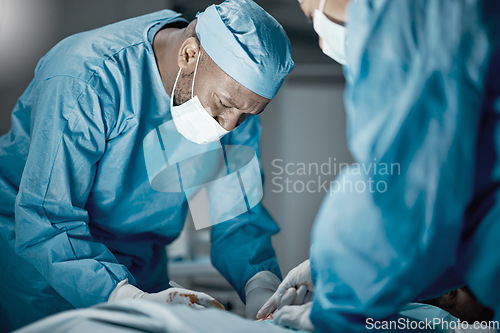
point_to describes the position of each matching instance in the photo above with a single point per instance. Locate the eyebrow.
(228, 99)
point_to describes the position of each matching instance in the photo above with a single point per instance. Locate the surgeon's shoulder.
(82, 54)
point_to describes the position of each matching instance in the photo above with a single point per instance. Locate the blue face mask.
(332, 35)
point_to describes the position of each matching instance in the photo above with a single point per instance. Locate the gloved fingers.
(274, 302)
(271, 305)
(300, 274)
(196, 306)
(191, 298)
(204, 300)
(301, 294)
(287, 316)
(255, 299)
(282, 289)
(295, 316)
(212, 304)
(308, 296)
(286, 284)
(288, 298)
(185, 301)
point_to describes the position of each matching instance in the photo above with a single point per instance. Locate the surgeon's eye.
(452, 294)
(222, 103)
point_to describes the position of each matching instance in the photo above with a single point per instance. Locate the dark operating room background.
(305, 123)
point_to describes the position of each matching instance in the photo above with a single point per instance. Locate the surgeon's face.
(225, 99)
(335, 10)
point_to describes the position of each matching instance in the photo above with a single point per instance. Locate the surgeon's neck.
(166, 45)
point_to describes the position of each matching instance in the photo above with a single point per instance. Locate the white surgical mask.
(192, 120)
(332, 34)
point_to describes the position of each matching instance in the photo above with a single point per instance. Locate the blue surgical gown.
(417, 214)
(77, 212)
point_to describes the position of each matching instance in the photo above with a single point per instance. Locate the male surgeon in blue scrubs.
(79, 220)
(420, 92)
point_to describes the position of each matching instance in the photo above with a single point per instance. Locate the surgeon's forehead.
(227, 88)
(240, 97)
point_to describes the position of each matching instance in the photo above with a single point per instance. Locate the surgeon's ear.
(188, 54)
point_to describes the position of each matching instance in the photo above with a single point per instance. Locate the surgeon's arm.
(242, 246)
(52, 232)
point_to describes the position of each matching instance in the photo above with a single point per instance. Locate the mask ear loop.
(179, 74)
(322, 4)
(194, 75)
(173, 88)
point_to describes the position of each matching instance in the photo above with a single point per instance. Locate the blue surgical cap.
(247, 43)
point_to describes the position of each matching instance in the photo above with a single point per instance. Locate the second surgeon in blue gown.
(415, 84)
(422, 97)
(77, 212)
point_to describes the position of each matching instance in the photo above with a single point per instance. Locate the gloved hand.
(296, 289)
(258, 290)
(125, 290)
(295, 316)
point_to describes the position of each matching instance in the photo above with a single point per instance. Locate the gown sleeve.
(52, 232)
(241, 247)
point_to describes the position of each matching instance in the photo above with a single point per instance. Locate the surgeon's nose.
(229, 119)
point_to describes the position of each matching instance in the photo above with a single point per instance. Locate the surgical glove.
(296, 289)
(295, 316)
(258, 290)
(125, 290)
